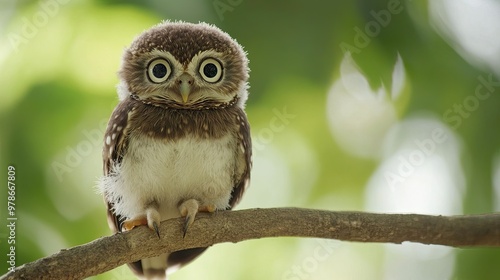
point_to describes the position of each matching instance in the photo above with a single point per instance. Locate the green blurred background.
(409, 122)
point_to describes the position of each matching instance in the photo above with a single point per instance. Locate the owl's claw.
(189, 209)
(155, 226)
(151, 219)
(187, 223)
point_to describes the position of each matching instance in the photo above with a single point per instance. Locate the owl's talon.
(187, 223)
(190, 208)
(154, 219)
(155, 226)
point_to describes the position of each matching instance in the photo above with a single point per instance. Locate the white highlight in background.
(436, 186)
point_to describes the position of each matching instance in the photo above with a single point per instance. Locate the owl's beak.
(185, 82)
(185, 90)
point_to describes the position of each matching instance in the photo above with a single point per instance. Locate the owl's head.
(184, 66)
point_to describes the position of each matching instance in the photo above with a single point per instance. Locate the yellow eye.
(159, 70)
(211, 70)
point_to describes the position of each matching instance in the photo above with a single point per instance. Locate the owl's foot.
(151, 219)
(154, 219)
(190, 208)
(135, 222)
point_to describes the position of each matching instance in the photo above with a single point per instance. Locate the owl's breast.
(169, 171)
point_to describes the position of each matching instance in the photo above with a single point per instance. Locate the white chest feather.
(168, 172)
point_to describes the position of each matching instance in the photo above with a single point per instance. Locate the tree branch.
(109, 252)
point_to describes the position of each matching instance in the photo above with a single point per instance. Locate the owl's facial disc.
(200, 81)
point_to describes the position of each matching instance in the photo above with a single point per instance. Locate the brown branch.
(109, 252)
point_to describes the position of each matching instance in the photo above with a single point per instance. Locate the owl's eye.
(159, 70)
(211, 70)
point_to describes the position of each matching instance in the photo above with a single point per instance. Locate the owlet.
(179, 141)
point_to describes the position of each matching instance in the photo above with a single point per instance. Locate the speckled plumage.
(178, 136)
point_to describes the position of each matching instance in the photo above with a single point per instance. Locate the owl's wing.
(244, 158)
(115, 146)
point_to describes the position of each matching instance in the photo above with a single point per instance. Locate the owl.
(178, 142)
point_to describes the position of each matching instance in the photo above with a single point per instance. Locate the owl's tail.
(155, 268)
(159, 267)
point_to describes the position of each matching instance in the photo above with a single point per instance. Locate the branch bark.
(109, 252)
